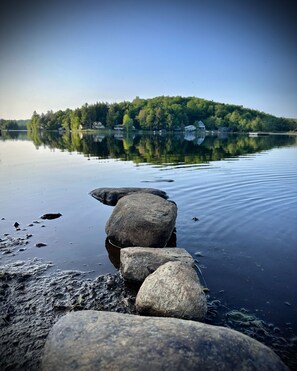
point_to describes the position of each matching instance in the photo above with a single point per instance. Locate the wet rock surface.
(141, 219)
(33, 296)
(10, 245)
(90, 340)
(138, 262)
(173, 290)
(110, 196)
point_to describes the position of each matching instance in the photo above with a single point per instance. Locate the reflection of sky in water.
(246, 210)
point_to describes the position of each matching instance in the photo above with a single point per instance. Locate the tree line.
(13, 124)
(162, 113)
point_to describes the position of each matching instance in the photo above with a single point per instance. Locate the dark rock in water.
(110, 196)
(51, 216)
(138, 262)
(141, 219)
(16, 225)
(158, 180)
(173, 290)
(93, 340)
(40, 244)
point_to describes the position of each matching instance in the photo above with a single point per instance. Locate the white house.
(98, 125)
(201, 125)
(119, 127)
(190, 128)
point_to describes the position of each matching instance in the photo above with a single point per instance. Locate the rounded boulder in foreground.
(92, 340)
(173, 290)
(141, 219)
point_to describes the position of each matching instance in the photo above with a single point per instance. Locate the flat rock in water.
(173, 290)
(93, 340)
(50, 216)
(141, 219)
(110, 196)
(138, 262)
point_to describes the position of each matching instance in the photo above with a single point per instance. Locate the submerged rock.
(110, 196)
(51, 216)
(141, 219)
(138, 262)
(92, 340)
(173, 290)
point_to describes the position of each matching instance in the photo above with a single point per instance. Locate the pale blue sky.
(66, 53)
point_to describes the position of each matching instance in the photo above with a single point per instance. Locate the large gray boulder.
(110, 196)
(138, 262)
(141, 219)
(91, 340)
(173, 290)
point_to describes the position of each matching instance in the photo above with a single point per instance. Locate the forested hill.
(170, 113)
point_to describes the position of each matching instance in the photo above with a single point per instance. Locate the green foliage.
(159, 149)
(128, 122)
(13, 124)
(170, 113)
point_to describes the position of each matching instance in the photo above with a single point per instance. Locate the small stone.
(40, 244)
(16, 224)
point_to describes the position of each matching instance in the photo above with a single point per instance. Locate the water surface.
(236, 197)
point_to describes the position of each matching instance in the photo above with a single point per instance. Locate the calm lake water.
(242, 191)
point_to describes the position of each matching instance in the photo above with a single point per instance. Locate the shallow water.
(236, 197)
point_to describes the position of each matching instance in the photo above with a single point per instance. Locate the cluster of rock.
(141, 225)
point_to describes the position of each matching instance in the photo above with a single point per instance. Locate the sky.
(61, 54)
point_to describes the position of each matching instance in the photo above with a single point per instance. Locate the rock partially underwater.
(51, 216)
(92, 340)
(138, 262)
(141, 219)
(110, 196)
(173, 290)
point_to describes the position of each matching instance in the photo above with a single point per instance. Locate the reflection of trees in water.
(15, 135)
(155, 149)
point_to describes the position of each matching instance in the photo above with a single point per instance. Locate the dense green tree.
(128, 122)
(171, 113)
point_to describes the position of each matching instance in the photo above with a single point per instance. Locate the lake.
(237, 210)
